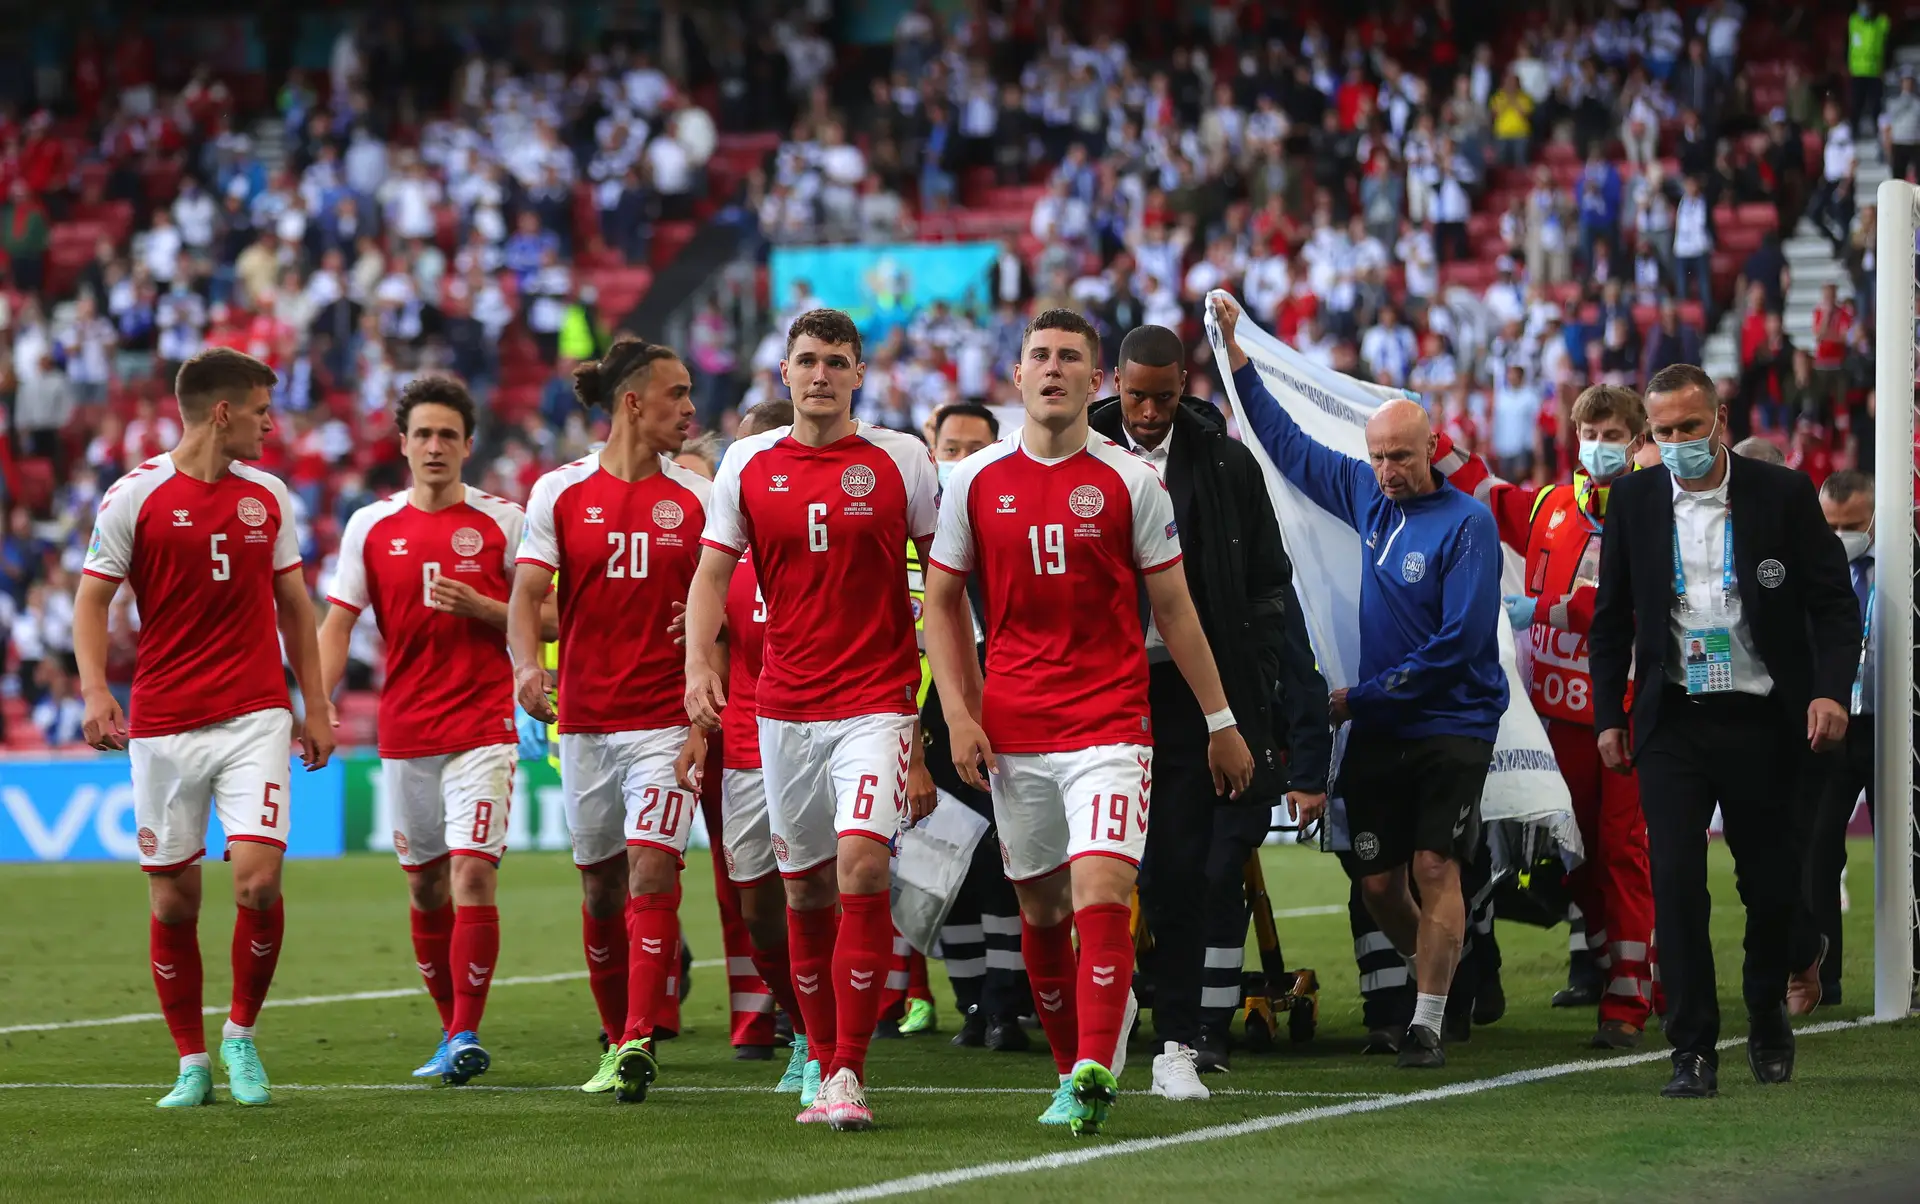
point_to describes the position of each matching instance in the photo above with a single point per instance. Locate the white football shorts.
(1052, 808)
(831, 778)
(238, 767)
(620, 790)
(746, 841)
(456, 803)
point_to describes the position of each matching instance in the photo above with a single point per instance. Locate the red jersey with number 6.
(828, 528)
(1061, 547)
(625, 552)
(449, 682)
(746, 639)
(201, 557)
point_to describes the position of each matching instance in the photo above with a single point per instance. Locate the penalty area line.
(935, 1180)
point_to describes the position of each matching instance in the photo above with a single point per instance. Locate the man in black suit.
(1734, 553)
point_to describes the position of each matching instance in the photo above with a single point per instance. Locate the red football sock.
(173, 954)
(653, 957)
(1106, 975)
(256, 951)
(432, 939)
(776, 970)
(811, 937)
(917, 985)
(476, 946)
(860, 959)
(606, 943)
(1048, 953)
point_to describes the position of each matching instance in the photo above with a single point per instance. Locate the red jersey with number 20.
(201, 557)
(1061, 548)
(746, 639)
(828, 528)
(449, 682)
(625, 552)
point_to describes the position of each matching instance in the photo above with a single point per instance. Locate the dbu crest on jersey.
(1413, 567)
(253, 512)
(858, 480)
(668, 515)
(467, 542)
(1087, 501)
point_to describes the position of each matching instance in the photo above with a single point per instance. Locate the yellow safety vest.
(1867, 44)
(550, 661)
(917, 589)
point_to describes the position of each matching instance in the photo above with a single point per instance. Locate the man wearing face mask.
(1736, 554)
(1557, 529)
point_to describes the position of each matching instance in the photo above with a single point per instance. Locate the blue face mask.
(944, 469)
(1603, 461)
(1693, 459)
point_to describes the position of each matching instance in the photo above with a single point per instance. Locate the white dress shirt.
(1700, 520)
(1157, 457)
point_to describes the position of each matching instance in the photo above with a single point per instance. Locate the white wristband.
(1221, 720)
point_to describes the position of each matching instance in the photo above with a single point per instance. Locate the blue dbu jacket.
(1429, 594)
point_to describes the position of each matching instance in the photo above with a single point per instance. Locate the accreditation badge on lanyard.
(1706, 643)
(1866, 644)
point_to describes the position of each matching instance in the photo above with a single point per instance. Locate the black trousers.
(1834, 783)
(1734, 750)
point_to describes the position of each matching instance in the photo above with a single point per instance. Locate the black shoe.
(973, 1033)
(1615, 1034)
(1420, 1049)
(1456, 1027)
(1381, 1041)
(782, 1029)
(1577, 995)
(686, 972)
(753, 1053)
(1830, 995)
(1490, 1004)
(1212, 1052)
(1004, 1035)
(1770, 1046)
(1692, 1078)
(886, 1030)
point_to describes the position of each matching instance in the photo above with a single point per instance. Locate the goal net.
(1896, 921)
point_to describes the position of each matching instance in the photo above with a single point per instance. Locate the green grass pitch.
(73, 947)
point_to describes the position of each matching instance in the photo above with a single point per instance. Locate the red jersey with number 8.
(201, 557)
(1061, 547)
(828, 528)
(625, 552)
(449, 682)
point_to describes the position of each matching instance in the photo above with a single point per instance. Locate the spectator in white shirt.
(842, 168)
(408, 199)
(1504, 297)
(195, 214)
(1060, 216)
(1516, 419)
(1267, 284)
(1414, 250)
(645, 85)
(1161, 307)
(1214, 270)
(87, 341)
(1388, 349)
(672, 176)
(162, 246)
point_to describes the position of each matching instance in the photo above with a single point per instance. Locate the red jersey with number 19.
(828, 528)
(1061, 547)
(625, 552)
(746, 640)
(449, 682)
(201, 557)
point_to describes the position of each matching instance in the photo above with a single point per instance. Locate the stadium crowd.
(1493, 216)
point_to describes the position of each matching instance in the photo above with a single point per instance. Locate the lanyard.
(1860, 670)
(1726, 565)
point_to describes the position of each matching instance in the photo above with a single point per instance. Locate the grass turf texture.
(75, 949)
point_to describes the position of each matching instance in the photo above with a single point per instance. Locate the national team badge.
(1771, 573)
(1559, 516)
(1413, 567)
(1087, 501)
(253, 512)
(149, 843)
(780, 848)
(857, 481)
(399, 842)
(1366, 846)
(467, 542)
(668, 515)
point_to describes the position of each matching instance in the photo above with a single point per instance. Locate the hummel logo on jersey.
(1102, 976)
(806, 984)
(1006, 504)
(425, 968)
(1052, 1000)
(599, 953)
(477, 975)
(862, 980)
(180, 518)
(651, 945)
(593, 515)
(399, 548)
(165, 970)
(779, 483)
(262, 948)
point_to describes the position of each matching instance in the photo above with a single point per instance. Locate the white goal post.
(1895, 918)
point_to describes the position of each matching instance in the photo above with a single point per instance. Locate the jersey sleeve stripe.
(288, 568)
(551, 568)
(717, 546)
(333, 601)
(946, 568)
(102, 576)
(1161, 567)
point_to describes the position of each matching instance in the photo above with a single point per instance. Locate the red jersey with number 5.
(828, 528)
(201, 557)
(746, 638)
(625, 552)
(1061, 547)
(449, 682)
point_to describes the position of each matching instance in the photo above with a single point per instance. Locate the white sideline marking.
(708, 1090)
(1301, 913)
(1048, 1162)
(307, 1001)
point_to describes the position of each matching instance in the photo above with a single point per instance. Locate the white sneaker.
(1176, 1075)
(846, 1102)
(1127, 1018)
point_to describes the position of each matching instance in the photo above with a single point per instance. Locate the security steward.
(1733, 555)
(1242, 583)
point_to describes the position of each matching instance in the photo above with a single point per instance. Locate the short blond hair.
(1597, 403)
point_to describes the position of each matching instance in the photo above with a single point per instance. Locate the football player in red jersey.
(1066, 528)
(434, 563)
(620, 527)
(208, 545)
(826, 508)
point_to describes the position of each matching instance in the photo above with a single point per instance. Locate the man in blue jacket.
(1431, 689)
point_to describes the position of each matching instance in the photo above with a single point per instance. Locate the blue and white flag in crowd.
(1524, 784)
